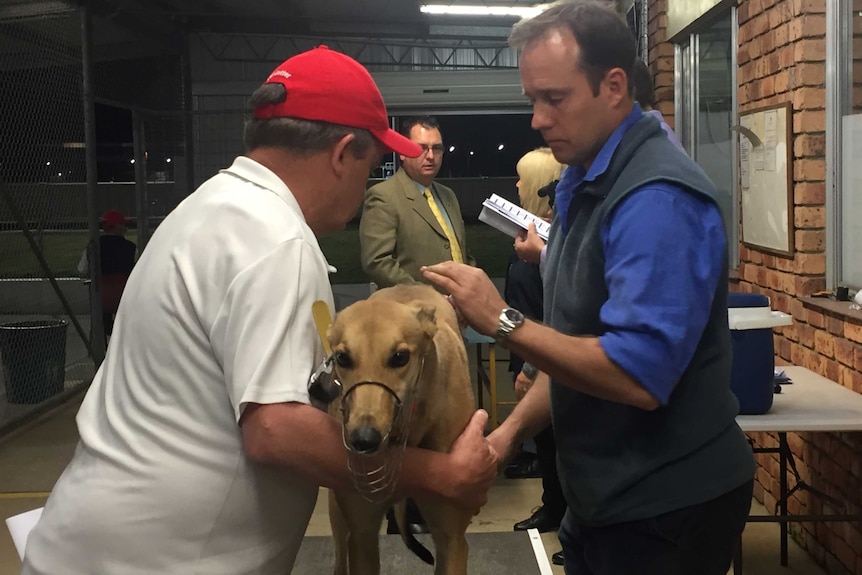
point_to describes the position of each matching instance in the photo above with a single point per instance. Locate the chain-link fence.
(42, 210)
(64, 162)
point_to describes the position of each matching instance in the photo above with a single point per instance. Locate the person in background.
(410, 220)
(657, 475)
(645, 96)
(117, 257)
(537, 170)
(200, 450)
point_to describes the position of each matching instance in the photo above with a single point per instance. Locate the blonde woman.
(538, 172)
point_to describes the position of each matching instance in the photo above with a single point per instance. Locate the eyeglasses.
(436, 148)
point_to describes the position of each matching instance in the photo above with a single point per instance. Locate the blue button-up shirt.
(664, 251)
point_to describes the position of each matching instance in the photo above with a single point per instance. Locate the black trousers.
(696, 540)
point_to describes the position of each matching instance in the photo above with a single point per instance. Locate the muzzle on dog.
(374, 461)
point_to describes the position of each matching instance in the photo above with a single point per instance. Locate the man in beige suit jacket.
(399, 232)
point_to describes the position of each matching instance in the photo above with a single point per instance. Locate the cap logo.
(281, 73)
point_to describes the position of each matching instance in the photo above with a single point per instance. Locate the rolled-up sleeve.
(664, 252)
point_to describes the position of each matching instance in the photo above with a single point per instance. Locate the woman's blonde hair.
(537, 169)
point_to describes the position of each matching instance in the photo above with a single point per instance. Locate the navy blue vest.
(619, 463)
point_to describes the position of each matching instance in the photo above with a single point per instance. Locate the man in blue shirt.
(657, 475)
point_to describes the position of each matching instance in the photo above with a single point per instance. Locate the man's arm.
(578, 362)
(531, 415)
(306, 440)
(84, 264)
(664, 255)
(378, 229)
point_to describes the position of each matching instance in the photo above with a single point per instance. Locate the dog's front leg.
(448, 525)
(362, 520)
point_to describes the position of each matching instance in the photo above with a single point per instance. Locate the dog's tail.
(407, 535)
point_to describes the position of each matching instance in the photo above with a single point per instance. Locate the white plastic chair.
(20, 526)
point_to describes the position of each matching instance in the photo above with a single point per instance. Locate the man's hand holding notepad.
(511, 219)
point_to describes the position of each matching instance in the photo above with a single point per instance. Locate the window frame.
(839, 71)
(686, 97)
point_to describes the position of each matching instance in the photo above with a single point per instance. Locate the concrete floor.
(32, 459)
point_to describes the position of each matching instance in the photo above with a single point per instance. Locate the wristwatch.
(510, 320)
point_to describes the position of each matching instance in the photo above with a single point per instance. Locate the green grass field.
(63, 249)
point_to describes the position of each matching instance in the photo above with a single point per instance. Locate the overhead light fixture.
(478, 10)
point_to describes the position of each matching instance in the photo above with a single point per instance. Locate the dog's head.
(379, 346)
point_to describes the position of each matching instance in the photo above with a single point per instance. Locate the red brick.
(808, 7)
(824, 343)
(781, 34)
(809, 170)
(811, 264)
(835, 325)
(782, 82)
(805, 286)
(809, 98)
(808, 193)
(815, 318)
(853, 332)
(806, 330)
(808, 74)
(759, 25)
(809, 241)
(809, 121)
(807, 26)
(857, 352)
(809, 217)
(844, 349)
(809, 145)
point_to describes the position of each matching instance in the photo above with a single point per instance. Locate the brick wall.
(781, 58)
(661, 62)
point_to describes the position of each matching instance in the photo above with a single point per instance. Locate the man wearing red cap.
(199, 450)
(117, 258)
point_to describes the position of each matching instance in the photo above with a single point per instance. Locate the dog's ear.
(427, 316)
(331, 334)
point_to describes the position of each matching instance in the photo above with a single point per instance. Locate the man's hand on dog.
(472, 291)
(474, 464)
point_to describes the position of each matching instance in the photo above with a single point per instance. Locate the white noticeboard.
(766, 177)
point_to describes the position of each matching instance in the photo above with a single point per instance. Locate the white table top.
(810, 403)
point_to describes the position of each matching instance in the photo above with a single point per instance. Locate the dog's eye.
(343, 359)
(399, 358)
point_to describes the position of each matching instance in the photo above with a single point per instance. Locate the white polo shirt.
(216, 314)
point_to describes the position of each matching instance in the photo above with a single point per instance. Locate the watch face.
(514, 315)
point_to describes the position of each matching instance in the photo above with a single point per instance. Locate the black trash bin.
(34, 359)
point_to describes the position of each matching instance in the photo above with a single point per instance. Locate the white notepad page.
(510, 219)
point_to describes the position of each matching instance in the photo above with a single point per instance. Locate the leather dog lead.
(322, 319)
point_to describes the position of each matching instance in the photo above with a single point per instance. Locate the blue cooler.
(751, 321)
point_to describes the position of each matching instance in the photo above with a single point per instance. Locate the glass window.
(706, 108)
(844, 63)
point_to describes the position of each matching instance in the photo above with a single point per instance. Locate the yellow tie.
(457, 257)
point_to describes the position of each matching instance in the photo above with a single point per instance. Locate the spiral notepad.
(509, 218)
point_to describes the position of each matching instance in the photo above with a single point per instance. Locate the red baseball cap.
(328, 86)
(113, 218)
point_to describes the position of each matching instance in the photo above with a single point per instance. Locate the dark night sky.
(480, 133)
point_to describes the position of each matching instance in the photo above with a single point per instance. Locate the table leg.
(782, 464)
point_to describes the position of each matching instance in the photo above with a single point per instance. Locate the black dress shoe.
(542, 520)
(557, 558)
(524, 470)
